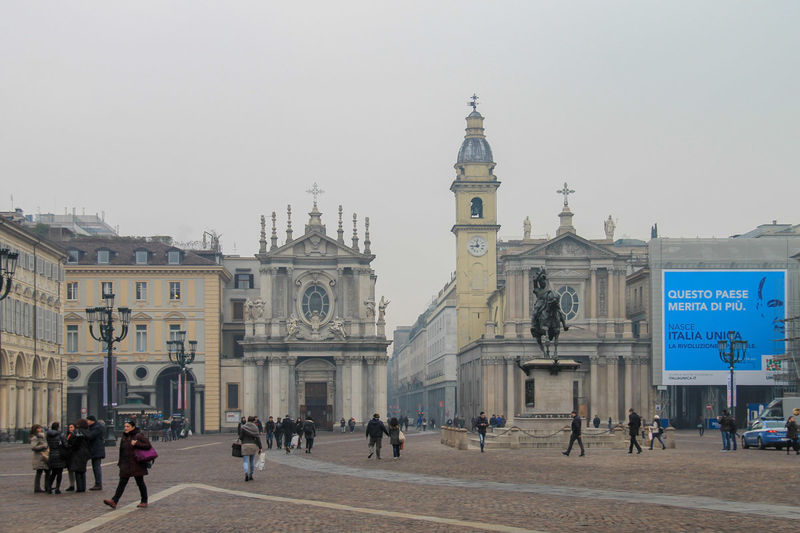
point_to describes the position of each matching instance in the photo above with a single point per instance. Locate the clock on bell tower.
(475, 190)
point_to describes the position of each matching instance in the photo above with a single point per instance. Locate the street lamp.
(732, 351)
(104, 318)
(8, 264)
(179, 356)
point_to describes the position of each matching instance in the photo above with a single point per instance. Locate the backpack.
(308, 427)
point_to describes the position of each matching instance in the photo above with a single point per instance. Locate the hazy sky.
(179, 117)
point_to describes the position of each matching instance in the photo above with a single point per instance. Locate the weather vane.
(474, 102)
(315, 191)
(566, 191)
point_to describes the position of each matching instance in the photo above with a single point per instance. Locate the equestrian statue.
(548, 318)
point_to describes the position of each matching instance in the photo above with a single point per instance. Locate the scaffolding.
(789, 373)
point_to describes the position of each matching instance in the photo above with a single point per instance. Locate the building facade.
(314, 342)
(494, 300)
(168, 289)
(32, 386)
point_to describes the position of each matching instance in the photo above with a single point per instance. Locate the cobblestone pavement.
(197, 486)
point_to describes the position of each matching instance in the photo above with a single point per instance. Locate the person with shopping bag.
(655, 432)
(129, 465)
(251, 444)
(396, 437)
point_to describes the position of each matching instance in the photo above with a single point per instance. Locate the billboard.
(701, 306)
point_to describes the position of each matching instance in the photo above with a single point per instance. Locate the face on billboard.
(701, 306)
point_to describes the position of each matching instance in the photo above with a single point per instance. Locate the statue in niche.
(337, 328)
(315, 321)
(255, 309)
(382, 309)
(609, 227)
(370, 304)
(292, 327)
(526, 228)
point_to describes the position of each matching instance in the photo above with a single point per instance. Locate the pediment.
(314, 244)
(568, 245)
(174, 315)
(73, 317)
(141, 317)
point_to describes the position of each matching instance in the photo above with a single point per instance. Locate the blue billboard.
(701, 306)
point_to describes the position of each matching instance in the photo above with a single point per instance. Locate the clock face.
(477, 246)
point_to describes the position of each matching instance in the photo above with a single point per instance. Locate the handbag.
(145, 456)
(46, 454)
(236, 449)
(401, 437)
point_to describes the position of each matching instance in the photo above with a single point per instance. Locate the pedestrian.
(424, 424)
(433, 423)
(701, 426)
(575, 435)
(481, 424)
(97, 449)
(352, 424)
(242, 422)
(596, 422)
(129, 467)
(343, 423)
(656, 431)
(288, 431)
(39, 448)
(165, 429)
(309, 432)
(375, 432)
(723, 430)
(186, 428)
(610, 425)
(57, 444)
(279, 434)
(259, 425)
(791, 436)
(634, 424)
(251, 444)
(394, 437)
(79, 453)
(174, 427)
(70, 473)
(405, 422)
(270, 429)
(732, 430)
(298, 429)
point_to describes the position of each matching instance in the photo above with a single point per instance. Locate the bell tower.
(475, 190)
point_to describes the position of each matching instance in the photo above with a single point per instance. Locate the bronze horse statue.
(547, 322)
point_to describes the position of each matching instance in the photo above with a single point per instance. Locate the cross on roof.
(566, 191)
(315, 191)
(474, 102)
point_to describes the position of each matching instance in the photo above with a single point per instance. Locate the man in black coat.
(481, 424)
(634, 424)
(375, 431)
(288, 430)
(97, 449)
(575, 435)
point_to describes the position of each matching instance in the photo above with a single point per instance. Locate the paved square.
(197, 486)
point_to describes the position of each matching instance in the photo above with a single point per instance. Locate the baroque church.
(494, 285)
(314, 341)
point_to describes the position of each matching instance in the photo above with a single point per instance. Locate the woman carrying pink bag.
(129, 465)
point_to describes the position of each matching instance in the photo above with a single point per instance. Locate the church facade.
(495, 302)
(314, 342)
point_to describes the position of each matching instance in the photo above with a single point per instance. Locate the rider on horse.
(546, 301)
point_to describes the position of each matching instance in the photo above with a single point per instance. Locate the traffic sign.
(708, 406)
(83, 410)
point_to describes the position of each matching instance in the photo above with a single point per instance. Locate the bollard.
(515, 438)
(669, 434)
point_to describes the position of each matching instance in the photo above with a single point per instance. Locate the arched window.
(476, 208)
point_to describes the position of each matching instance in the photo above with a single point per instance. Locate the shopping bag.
(401, 437)
(261, 461)
(190, 432)
(295, 440)
(650, 435)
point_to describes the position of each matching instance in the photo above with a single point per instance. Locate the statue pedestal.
(548, 395)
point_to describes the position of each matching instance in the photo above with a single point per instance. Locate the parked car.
(765, 433)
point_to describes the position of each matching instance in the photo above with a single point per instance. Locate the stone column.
(34, 407)
(613, 388)
(4, 405)
(274, 388)
(644, 376)
(347, 388)
(371, 404)
(611, 304)
(21, 422)
(85, 400)
(511, 408)
(249, 387)
(260, 390)
(293, 406)
(593, 292)
(338, 407)
(381, 384)
(630, 367)
(594, 392)
(11, 402)
(266, 291)
(357, 384)
(622, 303)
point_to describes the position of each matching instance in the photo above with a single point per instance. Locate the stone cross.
(474, 102)
(566, 191)
(315, 191)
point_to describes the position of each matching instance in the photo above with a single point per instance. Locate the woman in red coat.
(129, 467)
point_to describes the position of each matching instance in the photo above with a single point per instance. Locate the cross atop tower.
(315, 191)
(474, 102)
(566, 191)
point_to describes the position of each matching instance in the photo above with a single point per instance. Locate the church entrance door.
(317, 406)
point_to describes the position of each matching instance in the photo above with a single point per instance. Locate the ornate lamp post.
(8, 264)
(179, 356)
(104, 318)
(731, 352)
